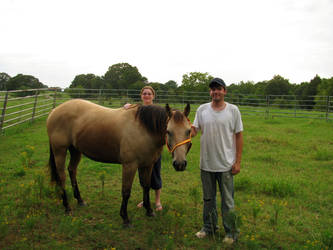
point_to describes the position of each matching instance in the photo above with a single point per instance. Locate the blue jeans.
(226, 186)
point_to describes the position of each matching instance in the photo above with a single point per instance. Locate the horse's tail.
(53, 169)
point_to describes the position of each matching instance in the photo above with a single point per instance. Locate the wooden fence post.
(2, 118)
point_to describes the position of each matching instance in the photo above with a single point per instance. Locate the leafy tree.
(76, 92)
(171, 85)
(299, 92)
(88, 81)
(167, 92)
(122, 75)
(277, 86)
(242, 93)
(325, 88)
(196, 81)
(233, 89)
(4, 78)
(157, 86)
(137, 85)
(21, 81)
(261, 88)
(293, 88)
(135, 95)
(246, 88)
(312, 88)
(161, 91)
(306, 92)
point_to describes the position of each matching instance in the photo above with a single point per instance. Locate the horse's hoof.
(150, 214)
(127, 225)
(82, 204)
(68, 211)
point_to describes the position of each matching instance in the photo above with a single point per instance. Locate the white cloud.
(236, 40)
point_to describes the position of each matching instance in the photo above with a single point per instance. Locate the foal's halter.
(171, 150)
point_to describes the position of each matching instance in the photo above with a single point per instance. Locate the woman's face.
(147, 96)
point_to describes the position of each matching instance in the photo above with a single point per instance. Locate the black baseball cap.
(217, 82)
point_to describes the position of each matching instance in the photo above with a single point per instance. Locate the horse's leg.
(59, 160)
(145, 177)
(72, 169)
(128, 173)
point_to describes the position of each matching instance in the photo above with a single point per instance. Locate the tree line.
(126, 76)
(19, 82)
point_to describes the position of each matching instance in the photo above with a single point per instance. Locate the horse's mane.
(154, 119)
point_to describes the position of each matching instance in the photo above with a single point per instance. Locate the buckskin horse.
(132, 137)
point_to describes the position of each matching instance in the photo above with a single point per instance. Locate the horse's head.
(178, 136)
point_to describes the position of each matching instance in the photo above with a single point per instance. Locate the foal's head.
(179, 136)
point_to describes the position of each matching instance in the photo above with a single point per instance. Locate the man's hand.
(194, 131)
(239, 149)
(235, 168)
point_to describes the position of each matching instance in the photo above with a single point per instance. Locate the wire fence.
(19, 106)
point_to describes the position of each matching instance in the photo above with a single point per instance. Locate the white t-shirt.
(217, 142)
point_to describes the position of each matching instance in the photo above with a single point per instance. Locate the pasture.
(284, 195)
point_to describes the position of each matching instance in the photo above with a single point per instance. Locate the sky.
(237, 40)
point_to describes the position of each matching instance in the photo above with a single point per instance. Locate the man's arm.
(239, 149)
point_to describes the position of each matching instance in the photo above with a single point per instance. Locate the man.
(221, 146)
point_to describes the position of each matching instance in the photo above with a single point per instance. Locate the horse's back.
(94, 130)
(71, 114)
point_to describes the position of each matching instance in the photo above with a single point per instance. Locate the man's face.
(217, 93)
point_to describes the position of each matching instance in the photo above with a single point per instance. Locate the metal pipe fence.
(19, 106)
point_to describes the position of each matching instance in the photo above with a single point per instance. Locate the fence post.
(295, 107)
(2, 118)
(327, 107)
(267, 106)
(100, 96)
(35, 105)
(55, 98)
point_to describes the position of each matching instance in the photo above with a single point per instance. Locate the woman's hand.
(127, 105)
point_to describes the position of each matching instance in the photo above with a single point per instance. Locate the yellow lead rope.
(180, 143)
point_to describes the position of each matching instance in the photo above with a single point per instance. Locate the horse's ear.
(168, 110)
(187, 109)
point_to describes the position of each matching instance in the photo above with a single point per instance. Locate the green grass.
(284, 196)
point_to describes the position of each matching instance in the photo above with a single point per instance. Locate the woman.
(147, 96)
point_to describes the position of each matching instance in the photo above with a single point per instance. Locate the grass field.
(284, 195)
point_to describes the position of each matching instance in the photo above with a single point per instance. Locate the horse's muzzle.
(179, 166)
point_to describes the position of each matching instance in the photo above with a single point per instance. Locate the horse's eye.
(169, 133)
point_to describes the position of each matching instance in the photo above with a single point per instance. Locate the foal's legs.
(72, 167)
(145, 177)
(128, 173)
